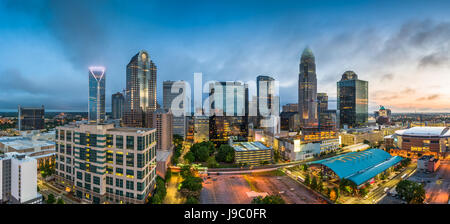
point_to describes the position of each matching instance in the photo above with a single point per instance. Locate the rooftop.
(425, 131)
(249, 146)
(361, 166)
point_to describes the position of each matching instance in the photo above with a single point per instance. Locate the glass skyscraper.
(352, 101)
(177, 90)
(96, 106)
(307, 90)
(117, 105)
(140, 91)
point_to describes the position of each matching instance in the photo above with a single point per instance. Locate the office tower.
(175, 94)
(307, 90)
(118, 101)
(327, 118)
(290, 107)
(228, 98)
(30, 118)
(268, 104)
(201, 129)
(18, 179)
(352, 101)
(229, 110)
(322, 101)
(162, 120)
(96, 104)
(104, 164)
(140, 91)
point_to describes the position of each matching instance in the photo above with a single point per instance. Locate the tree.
(307, 179)
(225, 154)
(168, 175)
(320, 186)
(60, 201)
(304, 167)
(314, 183)
(269, 199)
(51, 199)
(192, 183)
(412, 192)
(211, 162)
(191, 200)
(189, 157)
(276, 156)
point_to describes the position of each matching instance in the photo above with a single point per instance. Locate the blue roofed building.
(360, 167)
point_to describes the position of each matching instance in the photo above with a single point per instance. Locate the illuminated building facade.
(307, 90)
(96, 105)
(418, 141)
(352, 101)
(201, 129)
(140, 91)
(252, 153)
(103, 164)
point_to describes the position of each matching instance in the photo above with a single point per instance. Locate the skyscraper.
(175, 96)
(352, 101)
(322, 100)
(118, 101)
(307, 90)
(268, 104)
(140, 91)
(31, 118)
(96, 103)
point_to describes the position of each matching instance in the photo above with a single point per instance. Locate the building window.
(119, 159)
(130, 142)
(119, 141)
(130, 159)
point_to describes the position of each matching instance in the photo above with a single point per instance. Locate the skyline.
(48, 48)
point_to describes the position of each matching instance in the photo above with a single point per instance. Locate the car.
(281, 192)
(292, 189)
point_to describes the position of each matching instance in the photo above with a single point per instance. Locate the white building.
(18, 176)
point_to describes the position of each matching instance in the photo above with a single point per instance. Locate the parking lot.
(437, 184)
(241, 189)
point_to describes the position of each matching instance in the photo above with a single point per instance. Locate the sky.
(400, 47)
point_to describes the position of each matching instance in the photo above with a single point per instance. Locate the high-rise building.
(352, 101)
(383, 116)
(307, 90)
(229, 110)
(175, 95)
(140, 91)
(162, 120)
(18, 179)
(268, 104)
(290, 107)
(322, 100)
(96, 104)
(104, 164)
(31, 118)
(118, 101)
(228, 98)
(201, 129)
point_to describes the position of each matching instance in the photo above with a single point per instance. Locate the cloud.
(434, 59)
(430, 97)
(75, 24)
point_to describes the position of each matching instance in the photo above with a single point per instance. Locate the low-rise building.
(18, 179)
(252, 153)
(428, 163)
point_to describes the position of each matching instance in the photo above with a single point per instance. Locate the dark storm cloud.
(76, 24)
(12, 80)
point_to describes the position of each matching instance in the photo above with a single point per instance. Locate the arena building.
(416, 142)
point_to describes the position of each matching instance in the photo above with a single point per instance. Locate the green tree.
(276, 156)
(191, 200)
(51, 199)
(412, 192)
(225, 154)
(304, 167)
(60, 201)
(211, 162)
(192, 183)
(314, 183)
(269, 199)
(320, 186)
(168, 175)
(307, 180)
(189, 157)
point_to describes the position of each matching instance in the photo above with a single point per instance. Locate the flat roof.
(425, 131)
(20, 142)
(249, 146)
(360, 167)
